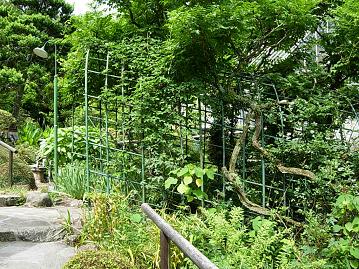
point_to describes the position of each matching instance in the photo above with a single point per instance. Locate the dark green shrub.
(99, 260)
(22, 171)
(6, 120)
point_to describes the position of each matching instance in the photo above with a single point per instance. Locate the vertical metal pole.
(11, 161)
(101, 140)
(143, 172)
(180, 130)
(143, 163)
(263, 168)
(223, 148)
(244, 150)
(55, 119)
(123, 107)
(122, 126)
(73, 128)
(164, 251)
(200, 144)
(106, 129)
(87, 123)
(186, 126)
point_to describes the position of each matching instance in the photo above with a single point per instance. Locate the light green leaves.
(183, 189)
(187, 180)
(170, 181)
(137, 218)
(354, 251)
(210, 172)
(191, 179)
(199, 172)
(199, 182)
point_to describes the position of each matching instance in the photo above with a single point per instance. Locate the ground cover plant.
(238, 118)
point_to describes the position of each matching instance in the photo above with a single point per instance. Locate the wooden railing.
(169, 234)
(11, 160)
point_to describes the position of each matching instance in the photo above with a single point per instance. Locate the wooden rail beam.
(167, 234)
(11, 150)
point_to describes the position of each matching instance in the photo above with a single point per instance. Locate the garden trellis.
(118, 151)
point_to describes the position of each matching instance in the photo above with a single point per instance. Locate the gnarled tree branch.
(280, 166)
(231, 176)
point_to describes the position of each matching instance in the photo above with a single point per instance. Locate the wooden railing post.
(11, 161)
(164, 251)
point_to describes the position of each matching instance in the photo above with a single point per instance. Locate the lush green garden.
(237, 119)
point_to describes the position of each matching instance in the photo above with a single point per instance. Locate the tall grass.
(72, 179)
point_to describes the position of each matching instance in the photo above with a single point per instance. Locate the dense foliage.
(278, 80)
(26, 79)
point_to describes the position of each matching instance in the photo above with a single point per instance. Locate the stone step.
(11, 200)
(29, 255)
(35, 224)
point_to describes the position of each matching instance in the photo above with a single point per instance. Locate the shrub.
(6, 120)
(99, 260)
(22, 171)
(115, 226)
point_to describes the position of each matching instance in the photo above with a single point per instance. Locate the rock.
(10, 200)
(34, 224)
(87, 247)
(29, 255)
(68, 202)
(38, 199)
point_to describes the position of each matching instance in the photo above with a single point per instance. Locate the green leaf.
(136, 218)
(199, 194)
(349, 226)
(209, 173)
(199, 172)
(354, 251)
(182, 172)
(169, 182)
(187, 180)
(356, 202)
(337, 228)
(354, 264)
(183, 189)
(257, 223)
(212, 210)
(199, 182)
(190, 198)
(356, 221)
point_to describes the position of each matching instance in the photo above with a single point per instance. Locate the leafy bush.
(99, 260)
(30, 133)
(115, 226)
(27, 153)
(333, 240)
(225, 239)
(22, 171)
(191, 179)
(343, 248)
(71, 141)
(6, 120)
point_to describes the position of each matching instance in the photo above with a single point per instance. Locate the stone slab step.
(11, 200)
(35, 224)
(29, 255)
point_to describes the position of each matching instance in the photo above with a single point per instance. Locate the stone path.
(31, 237)
(29, 255)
